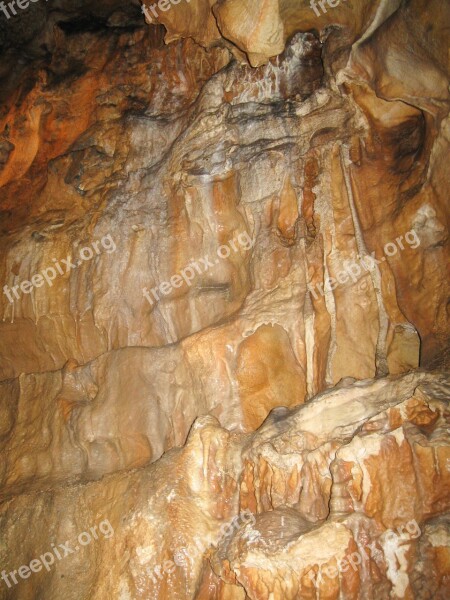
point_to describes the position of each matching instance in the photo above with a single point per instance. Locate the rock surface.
(302, 508)
(208, 219)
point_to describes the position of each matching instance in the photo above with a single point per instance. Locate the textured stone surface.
(315, 477)
(297, 143)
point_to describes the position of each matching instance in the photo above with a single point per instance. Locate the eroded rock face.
(197, 239)
(302, 508)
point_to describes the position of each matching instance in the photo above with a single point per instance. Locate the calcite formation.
(224, 313)
(344, 496)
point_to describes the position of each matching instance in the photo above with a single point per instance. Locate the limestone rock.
(297, 509)
(224, 255)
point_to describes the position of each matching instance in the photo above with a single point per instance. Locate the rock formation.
(344, 496)
(224, 321)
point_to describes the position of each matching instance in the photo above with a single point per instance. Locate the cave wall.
(289, 169)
